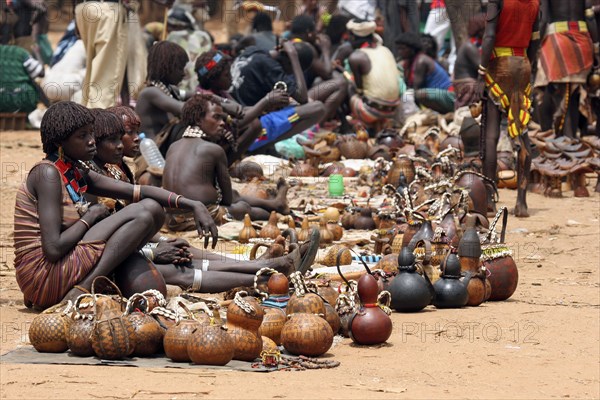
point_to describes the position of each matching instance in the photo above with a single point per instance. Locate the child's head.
(214, 71)
(108, 132)
(305, 57)
(63, 120)
(262, 22)
(409, 44)
(166, 63)
(304, 27)
(200, 111)
(132, 123)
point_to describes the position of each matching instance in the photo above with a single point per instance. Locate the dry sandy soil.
(542, 343)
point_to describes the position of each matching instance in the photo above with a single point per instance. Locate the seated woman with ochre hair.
(61, 241)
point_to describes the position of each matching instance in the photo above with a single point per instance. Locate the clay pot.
(348, 220)
(410, 291)
(304, 169)
(210, 345)
(326, 235)
(401, 166)
(450, 291)
(278, 284)
(477, 191)
(307, 334)
(78, 338)
(177, 336)
(247, 231)
(329, 259)
(256, 189)
(328, 293)
(365, 220)
(49, 331)
(270, 230)
(332, 318)
(272, 324)
(336, 230)
(304, 230)
(332, 214)
(389, 138)
(502, 275)
(469, 251)
(244, 318)
(388, 264)
(149, 335)
(370, 325)
(113, 336)
(352, 148)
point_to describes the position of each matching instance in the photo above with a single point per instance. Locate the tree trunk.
(460, 13)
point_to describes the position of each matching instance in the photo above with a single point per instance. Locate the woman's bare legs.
(125, 233)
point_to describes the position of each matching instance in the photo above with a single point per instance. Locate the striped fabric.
(508, 84)
(567, 51)
(44, 283)
(370, 115)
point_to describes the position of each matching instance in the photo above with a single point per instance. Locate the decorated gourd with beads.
(244, 317)
(306, 332)
(48, 331)
(273, 304)
(149, 335)
(210, 344)
(303, 301)
(371, 324)
(113, 336)
(177, 336)
(80, 331)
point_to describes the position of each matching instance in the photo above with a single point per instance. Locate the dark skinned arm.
(100, 185)
(301, 94)
(544, 17)
(166, 103)
(489, 36)
(360, 65)
(45, 183)
(472, 55)
(424, 65)
(322, 66)
(222, 175)
(532, 50)
(593, 29)
(404, 20)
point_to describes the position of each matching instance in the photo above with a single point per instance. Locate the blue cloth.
(65, 43)
(274, 124)
(438, 79)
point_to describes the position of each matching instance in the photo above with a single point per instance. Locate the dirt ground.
(542, 343)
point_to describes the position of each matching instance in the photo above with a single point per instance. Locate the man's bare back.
(563, 10)
(192, 167)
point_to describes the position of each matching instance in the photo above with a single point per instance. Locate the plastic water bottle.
(151, 153)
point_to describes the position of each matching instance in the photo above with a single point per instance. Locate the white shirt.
(363, 9)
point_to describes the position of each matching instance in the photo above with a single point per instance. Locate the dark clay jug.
(410, 291)
(469, 251)
(450, 291)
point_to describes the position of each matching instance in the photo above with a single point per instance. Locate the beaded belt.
(567, 26)
(509, 52)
